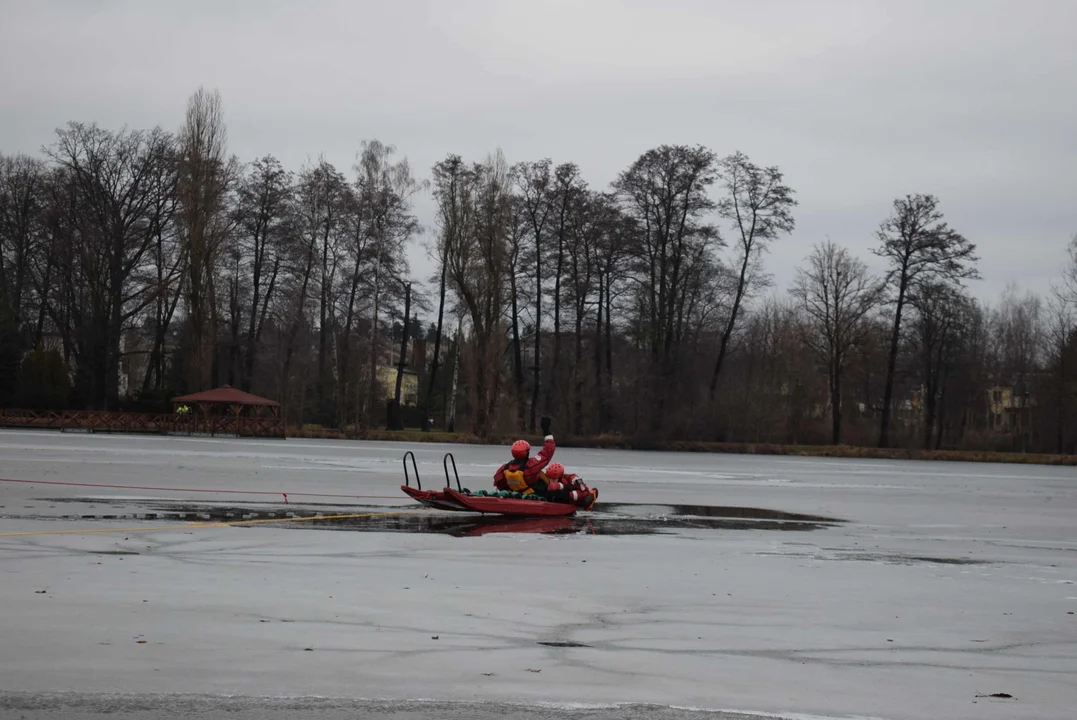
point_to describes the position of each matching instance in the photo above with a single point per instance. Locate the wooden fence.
(130, 422)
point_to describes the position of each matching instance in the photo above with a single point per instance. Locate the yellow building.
(409, 385)
(999, 400)
(1007, 409)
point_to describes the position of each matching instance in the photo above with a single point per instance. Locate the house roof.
(225, 394)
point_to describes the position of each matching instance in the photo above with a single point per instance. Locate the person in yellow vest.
(523, 474)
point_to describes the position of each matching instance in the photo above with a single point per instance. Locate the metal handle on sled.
(448, 481)
(407, 480)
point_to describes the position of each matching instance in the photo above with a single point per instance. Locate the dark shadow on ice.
(709, 511)
(604, 519)
(897, 559)
(595, 523)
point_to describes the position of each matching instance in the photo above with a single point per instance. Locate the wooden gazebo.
(226, 410)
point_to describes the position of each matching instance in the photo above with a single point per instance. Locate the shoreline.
(614, 442)
(610, 442)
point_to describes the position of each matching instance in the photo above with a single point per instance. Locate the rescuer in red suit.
(523, 474)
(568, 487)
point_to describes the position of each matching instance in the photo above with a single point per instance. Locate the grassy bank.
(613, 442)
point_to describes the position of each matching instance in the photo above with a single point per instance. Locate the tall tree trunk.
(213, 344)
(554, 384)
(235, 319)
(599, 395)
(373, 384)
(344, 349)
(257, 312)
(517, 353)
(609, 350)
(727, 333)
(482, 391)
(254, 335)
(450, 410)
(537, 368)
(395, 416)
(161, 336)
(941, 409)
(436, 362)
(891, 366)
(1060, 402)
(39, 329)
(929, 416)
(323, 330)
(114, 330)
(158, 313)
(492, 398)
(293, 331)
(576, 376)
(248, 349)
(835, 402)
(936, 380)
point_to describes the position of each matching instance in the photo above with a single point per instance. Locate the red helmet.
(555, 471)
(521, 449)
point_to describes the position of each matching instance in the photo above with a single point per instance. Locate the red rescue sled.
(463, 501)
(432, 498)
(511, 506)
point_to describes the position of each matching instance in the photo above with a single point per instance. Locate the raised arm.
(545, 455)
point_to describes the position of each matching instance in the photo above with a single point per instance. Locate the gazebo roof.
(225, 394)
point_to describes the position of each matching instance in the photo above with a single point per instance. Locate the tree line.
(139, 264)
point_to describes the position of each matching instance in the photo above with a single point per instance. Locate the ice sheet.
(949, 581)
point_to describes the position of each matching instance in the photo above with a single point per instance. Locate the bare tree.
(359, 258)
(773, 392)
(938, 330)
(535, 187)
(320, 196)
(595, 219)
(22, 206)
(837, 294)
(1017, 327)
(665, 193)
(1060, 354)
(517, 233)
(760, 207)
(206, 176)
(331, 212)
(264, 218)
(22, 210)
(386, 191)
(567, 193)
(479, 270)
(168, 268)
(1069, 272)
(920, 247)
(395, 421)
(453, 185)
(609, 253)
(108, 195)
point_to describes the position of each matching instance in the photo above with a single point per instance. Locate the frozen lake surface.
(914, 590)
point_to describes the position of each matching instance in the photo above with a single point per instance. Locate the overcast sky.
(858, 102)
